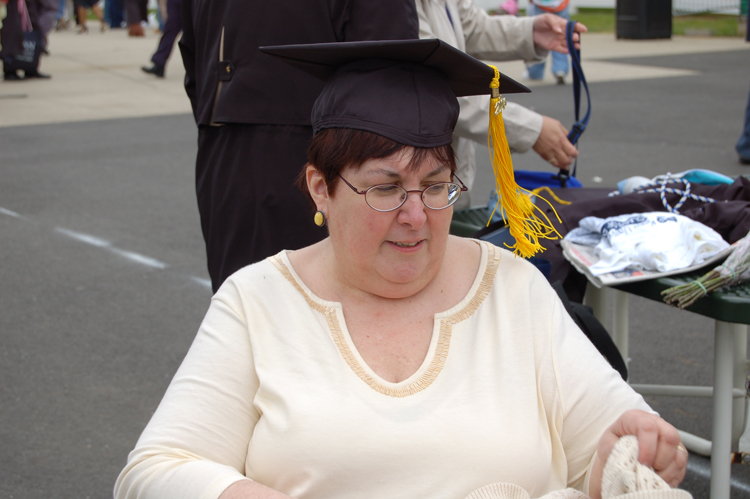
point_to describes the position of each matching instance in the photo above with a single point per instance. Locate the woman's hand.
(549, 33)
(659, 447)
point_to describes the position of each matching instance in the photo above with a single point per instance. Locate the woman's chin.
(403, 281)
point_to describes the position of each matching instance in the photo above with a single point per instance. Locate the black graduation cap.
(402, 89)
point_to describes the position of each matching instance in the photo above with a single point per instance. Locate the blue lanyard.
(578, 79)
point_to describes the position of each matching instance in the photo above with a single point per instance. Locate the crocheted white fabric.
(512, 491)
(623, 478)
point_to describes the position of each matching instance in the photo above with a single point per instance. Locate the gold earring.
(320, 218)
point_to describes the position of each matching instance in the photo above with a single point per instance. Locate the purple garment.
(48, 10)
(172, 28)
(11, 35)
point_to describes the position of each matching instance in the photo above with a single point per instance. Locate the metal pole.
(620, 325)
(596, 298)
(721, 432)
(739, 335)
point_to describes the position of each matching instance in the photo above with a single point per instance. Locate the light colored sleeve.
(497, 38)
(522, 125)
(592, 395)
(425, 28)
(196, 442)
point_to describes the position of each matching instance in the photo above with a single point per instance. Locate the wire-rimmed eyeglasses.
(389, 197)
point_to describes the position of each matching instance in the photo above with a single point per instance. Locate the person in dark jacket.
(253, 115)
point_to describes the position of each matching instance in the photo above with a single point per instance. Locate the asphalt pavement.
(102, 266)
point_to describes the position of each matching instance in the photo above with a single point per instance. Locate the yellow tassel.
(518, 210)
(536, 192)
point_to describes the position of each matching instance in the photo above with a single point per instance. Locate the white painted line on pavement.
(203, 282)
(84, 238)
(142, 259)
(705, 472)
(10, 213)
(102, 243)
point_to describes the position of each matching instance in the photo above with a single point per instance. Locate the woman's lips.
(407, 245)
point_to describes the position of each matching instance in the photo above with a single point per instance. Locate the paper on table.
(583, 257)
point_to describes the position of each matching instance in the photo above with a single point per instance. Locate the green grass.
(718, 25)
(596, 20)
(603, 21)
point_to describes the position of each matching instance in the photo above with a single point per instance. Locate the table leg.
(620, 324)
(739, 336)
(721, 432)
(596, 298)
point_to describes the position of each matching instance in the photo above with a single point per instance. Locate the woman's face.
(393, 254)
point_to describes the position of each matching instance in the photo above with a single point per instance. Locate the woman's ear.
(317, 187)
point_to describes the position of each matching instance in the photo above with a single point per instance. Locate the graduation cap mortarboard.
(406, 90)
(402, 89)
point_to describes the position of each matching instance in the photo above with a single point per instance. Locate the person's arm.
(187, 50)
(590, 395)
(524, 129)
(196, 443)
(523, 126)
(548, 137)
(504, 38)
(497, 38)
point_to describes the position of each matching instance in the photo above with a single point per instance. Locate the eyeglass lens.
(388, 197)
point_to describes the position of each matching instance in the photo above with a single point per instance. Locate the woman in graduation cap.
(391, 360)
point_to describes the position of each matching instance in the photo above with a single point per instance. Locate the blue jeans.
(743, 145)
(560, 64)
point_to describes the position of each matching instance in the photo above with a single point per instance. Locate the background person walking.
(172, 28)
(560, 63)
(82, 7)
(743, 145)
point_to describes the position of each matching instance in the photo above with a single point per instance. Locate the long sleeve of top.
(274, 390)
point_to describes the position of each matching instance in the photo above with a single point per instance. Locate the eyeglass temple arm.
(463, 186)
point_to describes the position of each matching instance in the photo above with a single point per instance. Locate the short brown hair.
(334, 149)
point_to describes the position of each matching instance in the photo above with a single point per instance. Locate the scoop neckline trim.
(444, 321)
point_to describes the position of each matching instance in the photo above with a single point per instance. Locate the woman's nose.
(412, 212)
